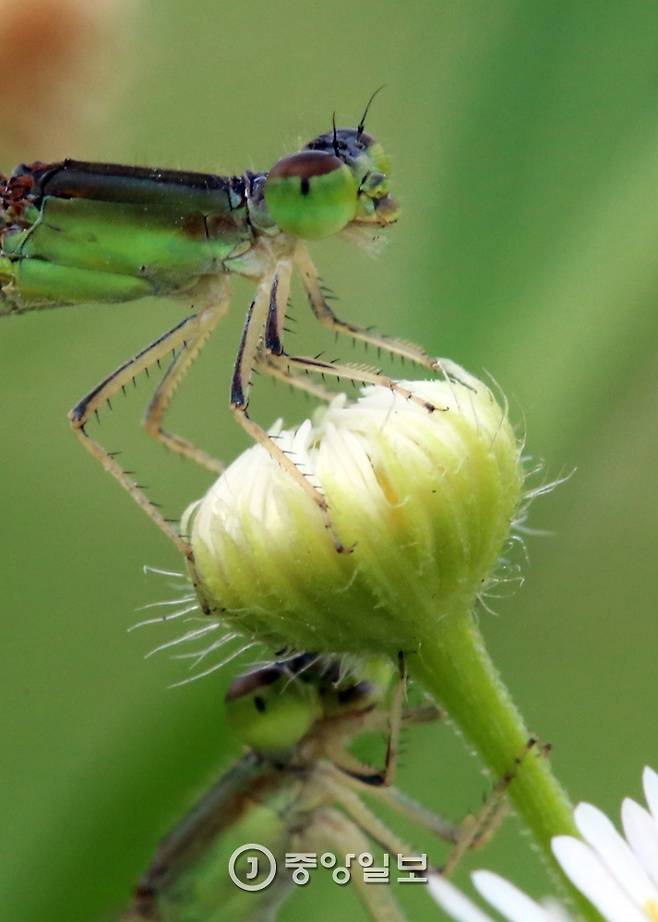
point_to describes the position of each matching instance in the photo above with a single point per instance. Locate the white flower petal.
(650, 782)
(454, 902)
(641, 831)
(508, 899)
(614, 852)
(556, 911)
(618, 876)
(587, 872)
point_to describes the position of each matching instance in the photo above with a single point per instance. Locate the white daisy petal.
(617, 875)
(459, 907)
(614, 852)
(650, 782)
(508, 899)
(641, 830)
(556, 911)
(587, 872)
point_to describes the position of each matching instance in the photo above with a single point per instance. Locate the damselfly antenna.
(334, 141)
(362, 122)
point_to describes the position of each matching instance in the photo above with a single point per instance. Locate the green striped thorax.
(339, 178)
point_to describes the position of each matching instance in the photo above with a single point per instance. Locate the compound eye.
(268, 711)
(311, 194)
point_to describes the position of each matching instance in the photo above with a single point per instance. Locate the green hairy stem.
(455, 666)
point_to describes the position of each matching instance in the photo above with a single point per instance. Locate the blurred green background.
(524, 138)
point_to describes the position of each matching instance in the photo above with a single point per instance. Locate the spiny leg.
(393, 722)
(277, 358)
(103, 392)
(398, 801)
(334, 832)
(300, 382)
(279, 292)
(355, 775)
(273, 345)
(418, 814)
(473, 832)
(390, 723)
(423, 714)
(273, 288)
(354, 373)
(331, 778)
(478, 829)
(273, 341)
(326, 316)
(207, 319)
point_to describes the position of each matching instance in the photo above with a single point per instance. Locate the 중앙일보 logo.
(253, 867)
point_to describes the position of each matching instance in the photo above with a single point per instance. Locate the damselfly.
(296, 793)
(76, 231)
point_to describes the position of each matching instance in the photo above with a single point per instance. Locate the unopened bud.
(424, 499)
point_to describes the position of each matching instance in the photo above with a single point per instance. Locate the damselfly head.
(340, 178)
(271, 711)
(273, 708)
(370, 169)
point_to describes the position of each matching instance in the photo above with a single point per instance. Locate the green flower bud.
(426, 500)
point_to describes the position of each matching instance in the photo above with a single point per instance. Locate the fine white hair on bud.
(425, 500)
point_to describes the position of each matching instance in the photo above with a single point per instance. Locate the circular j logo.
(260, 862)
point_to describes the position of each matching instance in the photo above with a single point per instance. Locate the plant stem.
(455, 666)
